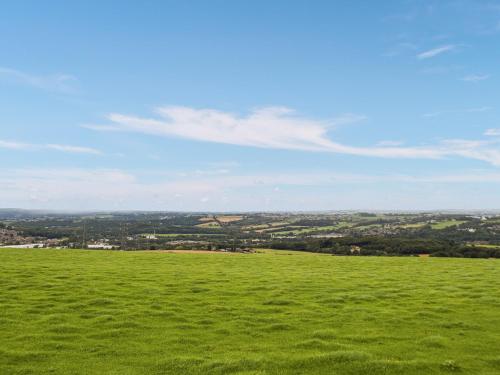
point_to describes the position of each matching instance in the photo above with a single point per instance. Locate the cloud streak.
(281, 128)
(15, 145)
(467, 110)
(59, 82)
(20, 146)
(473, 78)
(435, 51)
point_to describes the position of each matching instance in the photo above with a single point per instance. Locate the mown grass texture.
(104, 312)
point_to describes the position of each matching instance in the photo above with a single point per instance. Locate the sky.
(250, 105)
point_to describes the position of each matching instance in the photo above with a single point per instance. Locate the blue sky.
(261, 105)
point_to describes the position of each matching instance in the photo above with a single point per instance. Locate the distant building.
(355, 249)
(101, 246)
(25, 246)
(327, 235)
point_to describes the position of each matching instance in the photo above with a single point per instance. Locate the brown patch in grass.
(229, 218)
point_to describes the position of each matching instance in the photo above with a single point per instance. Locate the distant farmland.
(275, 312)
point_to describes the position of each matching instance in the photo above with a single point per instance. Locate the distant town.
(343, 233)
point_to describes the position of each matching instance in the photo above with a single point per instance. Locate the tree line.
(395, 246)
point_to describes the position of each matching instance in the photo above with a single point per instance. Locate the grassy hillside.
(96, 312)
(447, 224)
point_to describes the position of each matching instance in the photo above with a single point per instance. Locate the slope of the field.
(96, 312)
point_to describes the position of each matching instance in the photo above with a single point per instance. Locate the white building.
(102, 246)
(25, 246)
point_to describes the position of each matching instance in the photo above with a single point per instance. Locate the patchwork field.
(103, 312)
(209, 224)
(447, 224)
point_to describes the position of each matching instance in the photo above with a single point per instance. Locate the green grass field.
(184, 234)
(103, 312)
(312, 229)
(447, 224)
(489, 246)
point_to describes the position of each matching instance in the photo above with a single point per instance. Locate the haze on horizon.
(257, 106)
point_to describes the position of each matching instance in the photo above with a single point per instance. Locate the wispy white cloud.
(101, 128)
(466, 110)
(280, 128)
(72, 149)
(492, 132)
(436, 51)
(475, 78)
(271, 127)
(390, 143)
(55, 82)
(13, 145)
(228, 164)
(118, 189)
(479, 150)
